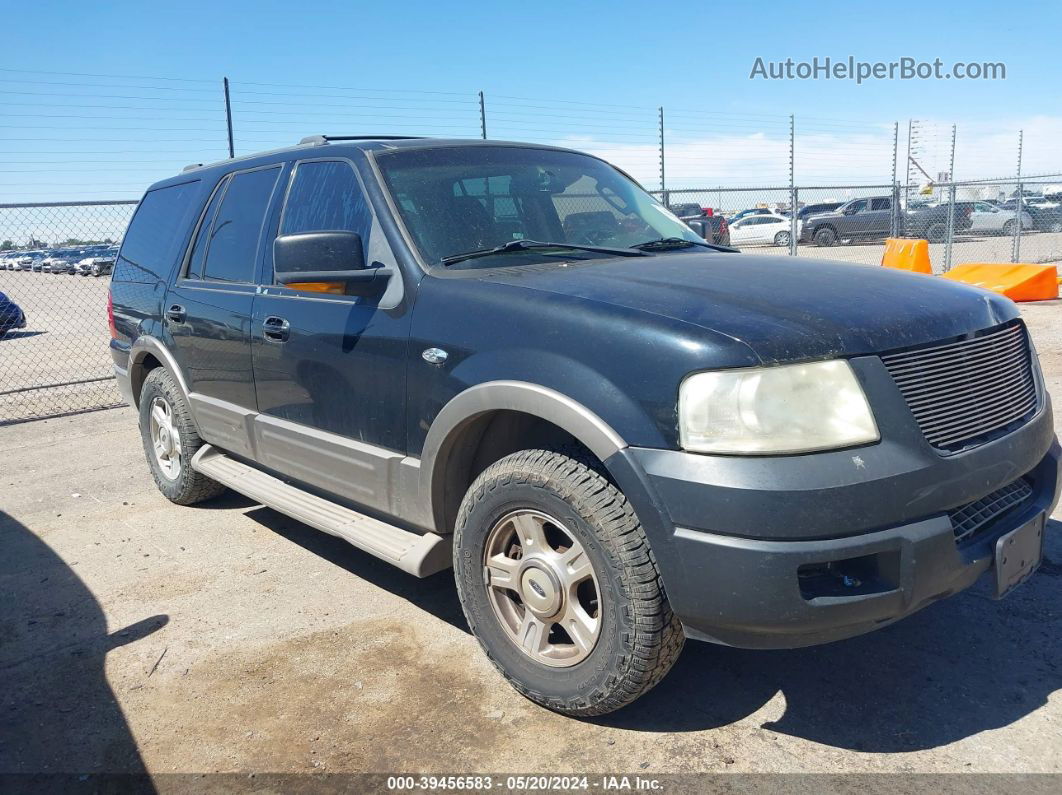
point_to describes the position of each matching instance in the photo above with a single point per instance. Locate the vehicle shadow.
(15, 335)
(436, 595)
(959, 667)
(58, 714)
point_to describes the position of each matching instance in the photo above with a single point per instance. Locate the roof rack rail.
(321, 140)
(191, 167)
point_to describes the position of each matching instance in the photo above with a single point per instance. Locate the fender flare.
(138, 351)
(522, 396)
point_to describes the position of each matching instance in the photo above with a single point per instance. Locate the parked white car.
(988, 219)
(769, 229)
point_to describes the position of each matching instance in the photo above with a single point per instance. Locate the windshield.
(455, 200)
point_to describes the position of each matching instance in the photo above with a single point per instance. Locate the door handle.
(176, 313)
(276, 329)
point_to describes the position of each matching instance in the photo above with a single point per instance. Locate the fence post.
(894, 221)
(228, 117)
(792, 187)
(793, 222)
(482, 117)
(951, 228)
(663, 185)
(1015, 248)
(894, 216)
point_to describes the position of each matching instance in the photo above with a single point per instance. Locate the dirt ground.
(139, 636)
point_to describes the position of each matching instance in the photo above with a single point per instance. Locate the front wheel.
(825, 237)
(559, 586)
(936, 233)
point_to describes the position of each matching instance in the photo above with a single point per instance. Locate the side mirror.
(322, 258)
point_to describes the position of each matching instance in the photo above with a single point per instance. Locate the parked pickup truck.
(712, 227)
(511, 360)
(872, 218)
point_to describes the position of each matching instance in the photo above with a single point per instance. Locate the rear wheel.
(170, 440)
(825, 236)
(781, 239)
(1010, 227)
(559, 585)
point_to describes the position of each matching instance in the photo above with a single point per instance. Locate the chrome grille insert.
(968, 519)
(964, 392)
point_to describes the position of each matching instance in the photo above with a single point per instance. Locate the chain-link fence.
(970, 221)
(55, 261)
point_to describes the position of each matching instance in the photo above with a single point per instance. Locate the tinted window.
(325, 195)
(857, 207)
(880, 204)
(195, 266)
(233, 244)
(152, 243)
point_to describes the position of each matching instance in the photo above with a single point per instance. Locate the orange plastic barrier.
(907, 255)
(1017, 282)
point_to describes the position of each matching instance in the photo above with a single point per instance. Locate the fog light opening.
(867, 574)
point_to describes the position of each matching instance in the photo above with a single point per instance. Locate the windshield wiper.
(521, 245)
(665, 243)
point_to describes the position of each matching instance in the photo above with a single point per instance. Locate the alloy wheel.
(542, 588)
(165, 438)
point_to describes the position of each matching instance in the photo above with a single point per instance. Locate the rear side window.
(154, 239)
(199, 248)
(232, 247)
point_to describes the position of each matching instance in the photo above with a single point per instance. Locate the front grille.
(966, 392)
(968, 519)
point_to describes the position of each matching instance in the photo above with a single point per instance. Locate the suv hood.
(783, 308)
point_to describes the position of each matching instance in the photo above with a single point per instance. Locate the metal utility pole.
(228, 117)
(792, 187)
(663, 184)
(482, 117)
(1015, 252)
(951, 204)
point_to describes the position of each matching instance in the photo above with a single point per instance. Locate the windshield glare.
(459, 199)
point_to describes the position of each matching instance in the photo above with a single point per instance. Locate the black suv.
(510, 359)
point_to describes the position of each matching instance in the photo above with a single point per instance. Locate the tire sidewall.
(551, 684)
(161, 385)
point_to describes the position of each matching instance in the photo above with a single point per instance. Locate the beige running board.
(419, 554)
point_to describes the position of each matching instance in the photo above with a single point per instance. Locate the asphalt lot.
(64, 342)
(1035, 247)
(136, 635)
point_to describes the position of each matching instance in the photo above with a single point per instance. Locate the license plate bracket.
(1018, 555)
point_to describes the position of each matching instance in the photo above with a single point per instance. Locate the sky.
(102, 99)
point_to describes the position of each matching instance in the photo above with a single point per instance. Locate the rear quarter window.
(154, 240)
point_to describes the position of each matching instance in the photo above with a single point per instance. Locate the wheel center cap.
(539, 591)
(164, 439)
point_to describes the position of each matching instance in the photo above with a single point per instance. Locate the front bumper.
(743, 543)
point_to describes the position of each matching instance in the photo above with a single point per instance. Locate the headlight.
(789, 409)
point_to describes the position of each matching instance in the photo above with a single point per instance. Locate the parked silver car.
(988, 219)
